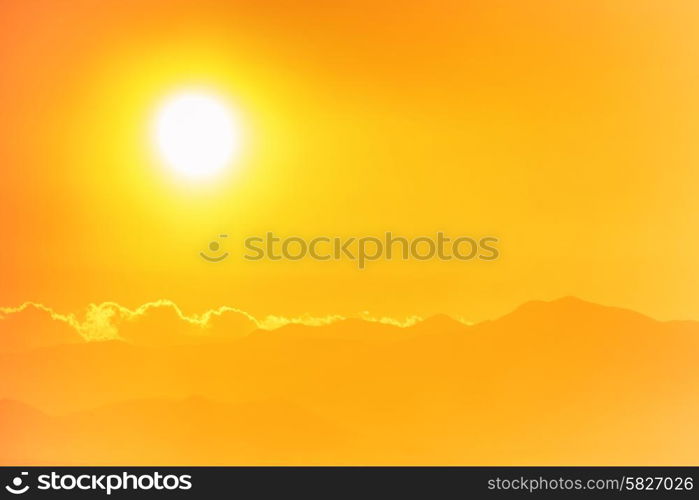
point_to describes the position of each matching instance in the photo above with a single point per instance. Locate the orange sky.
(567, 130)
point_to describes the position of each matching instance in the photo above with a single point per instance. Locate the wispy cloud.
(102, 321)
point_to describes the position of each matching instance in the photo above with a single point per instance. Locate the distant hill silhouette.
(352, 329)
(560, 382)
(34, 328)
(177, 432)
(162, 326)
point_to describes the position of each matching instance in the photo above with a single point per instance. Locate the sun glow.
(196, 134)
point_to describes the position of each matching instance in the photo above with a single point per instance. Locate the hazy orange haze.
(567, 130)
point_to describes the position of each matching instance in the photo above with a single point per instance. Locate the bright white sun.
(196, 134)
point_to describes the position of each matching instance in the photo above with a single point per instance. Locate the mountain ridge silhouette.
(559, 382)
(145, 329)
